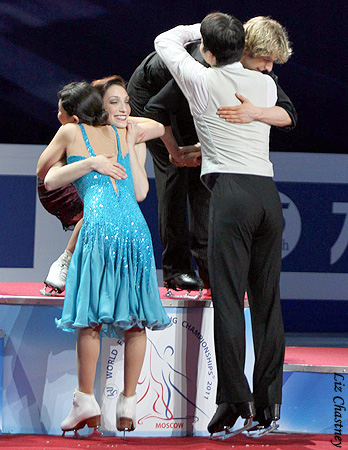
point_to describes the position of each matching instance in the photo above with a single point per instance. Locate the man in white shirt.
(246, 221)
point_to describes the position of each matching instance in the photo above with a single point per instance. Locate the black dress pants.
(183, 211)
(245, 236)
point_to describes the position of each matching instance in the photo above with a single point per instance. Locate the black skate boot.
(265, 421)
(184, 281)
(226, 415)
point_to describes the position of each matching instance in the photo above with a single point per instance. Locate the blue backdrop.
(48, 44)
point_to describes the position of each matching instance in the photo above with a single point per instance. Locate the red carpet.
(23, 290)
(317, 356)
(273, 442)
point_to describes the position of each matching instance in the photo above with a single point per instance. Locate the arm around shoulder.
(147, 129)
(61, 174)
(56, 149)
(187, 72)
(274, 114)
(174, 40)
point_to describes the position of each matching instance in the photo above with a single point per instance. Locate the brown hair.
(83, 100)
(103, 84)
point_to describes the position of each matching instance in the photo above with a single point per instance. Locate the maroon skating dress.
(64, 203)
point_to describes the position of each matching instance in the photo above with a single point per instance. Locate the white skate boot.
(85, 411)
(126, 413)
(56, 278)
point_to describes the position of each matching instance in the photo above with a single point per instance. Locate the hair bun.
(101, 117)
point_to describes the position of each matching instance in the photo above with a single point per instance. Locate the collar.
(235, 65)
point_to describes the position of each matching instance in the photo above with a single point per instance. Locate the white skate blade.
(262, 431)
(186, 296)
(229, 432)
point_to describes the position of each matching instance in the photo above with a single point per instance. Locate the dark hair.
(224, 36)
(83, 100)
(103, 84)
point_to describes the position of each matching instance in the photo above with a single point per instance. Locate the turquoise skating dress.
(112, 275)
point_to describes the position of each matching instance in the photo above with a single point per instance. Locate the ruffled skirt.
(113, 284)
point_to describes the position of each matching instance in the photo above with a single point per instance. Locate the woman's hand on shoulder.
(133, 133)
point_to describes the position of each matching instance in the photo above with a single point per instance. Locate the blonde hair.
(266, 37)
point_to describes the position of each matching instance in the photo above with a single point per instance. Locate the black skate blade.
(50, 291)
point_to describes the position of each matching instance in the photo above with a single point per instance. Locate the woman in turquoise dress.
(112, 283)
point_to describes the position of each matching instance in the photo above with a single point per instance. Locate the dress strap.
(85, 137)
(119, 151)
(88, 144)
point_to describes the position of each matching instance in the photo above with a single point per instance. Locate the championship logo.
(292, 225)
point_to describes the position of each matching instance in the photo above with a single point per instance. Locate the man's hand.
(187, 156)
(244, 113)
(176, 157)
(193, 159)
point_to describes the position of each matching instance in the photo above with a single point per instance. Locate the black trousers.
(183, 210)
(245, 235)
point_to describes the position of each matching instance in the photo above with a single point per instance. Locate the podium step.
(316, 359)
(315, 390)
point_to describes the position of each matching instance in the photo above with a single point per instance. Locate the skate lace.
(64, 270)
(74, 405)
(64, 265)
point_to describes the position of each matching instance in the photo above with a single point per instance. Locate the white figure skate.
(56, 278)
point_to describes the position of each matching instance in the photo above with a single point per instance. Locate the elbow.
(286, 119)
(156, 44)
(158, 131)
(288, 122)
(285, 125)
(141, 195)
(161, 130)
(49, 184)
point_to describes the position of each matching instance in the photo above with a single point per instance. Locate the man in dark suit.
(181, 195)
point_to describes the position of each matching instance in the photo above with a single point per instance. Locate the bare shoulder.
(66, 134)
(68, 130)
